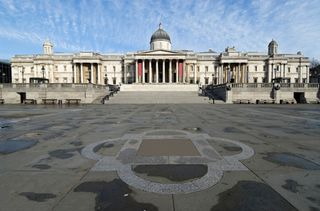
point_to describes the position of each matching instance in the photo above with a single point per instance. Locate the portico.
(87, 72)
(159, 70)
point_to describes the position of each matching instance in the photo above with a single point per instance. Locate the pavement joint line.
(122, 163)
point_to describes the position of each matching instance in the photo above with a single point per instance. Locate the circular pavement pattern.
(163, 147)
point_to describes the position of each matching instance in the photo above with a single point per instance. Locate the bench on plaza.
(265, 101)
(1, 101)
(288, 101)
(313, 101)
(49, 101)
(30, 101)
(73, 101)
(242, 101)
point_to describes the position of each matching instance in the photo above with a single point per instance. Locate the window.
(56, 67)
(65, 68)
(198, 68)
(304, 80)
(296, 69)
(264, 80)
(32, 69)
(17, 80)
(296, 80)
(206, 68)
(256, 68)
(288, 69)
(105, 68)
(56, 80)
(65, 80)
(255, 80)
(206, 80)
(114, 68)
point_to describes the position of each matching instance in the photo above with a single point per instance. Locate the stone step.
(149, 97)
(159, 87)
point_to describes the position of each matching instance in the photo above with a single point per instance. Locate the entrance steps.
(159, 87)
(153, 97)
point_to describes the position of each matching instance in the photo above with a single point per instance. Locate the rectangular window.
(56, 80)
(65, 68)
(288, 69)
(206, 80)
(255, 80)
(296, 69)
(304, 80)
(65, 80)
(256, 68)
(296, 80)
(206, 68)
(56, 67)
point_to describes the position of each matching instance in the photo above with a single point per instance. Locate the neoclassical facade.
(161, 64)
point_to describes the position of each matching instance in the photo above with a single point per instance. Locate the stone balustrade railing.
(266, 85)
(52, 85)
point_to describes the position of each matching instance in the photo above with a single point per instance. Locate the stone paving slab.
(53, 174)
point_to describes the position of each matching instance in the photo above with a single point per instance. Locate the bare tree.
(314, 63)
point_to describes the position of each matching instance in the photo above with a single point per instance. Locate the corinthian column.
(150, 71)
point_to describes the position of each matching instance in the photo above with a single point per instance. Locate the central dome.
(160, 34)
(160, 40)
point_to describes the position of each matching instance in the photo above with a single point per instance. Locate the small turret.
(47, 47)
(273, 48)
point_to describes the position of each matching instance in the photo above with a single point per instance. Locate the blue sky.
(120, 26)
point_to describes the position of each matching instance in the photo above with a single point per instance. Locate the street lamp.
(22, 71)
(106, 79)
(42, 69)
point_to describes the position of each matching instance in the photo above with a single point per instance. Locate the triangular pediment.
(158, 52)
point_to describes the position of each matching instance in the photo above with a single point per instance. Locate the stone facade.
(160, 64)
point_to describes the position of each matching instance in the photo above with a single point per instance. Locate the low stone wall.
(232, 93)
(87, 93)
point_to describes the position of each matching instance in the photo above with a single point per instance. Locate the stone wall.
(87, 93)
(231, 93)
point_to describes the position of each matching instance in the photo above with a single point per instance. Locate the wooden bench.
(264, 101)
(1, 101)
(242, 101)
(30, 101)
(287, 101)
(49, 101)
(73, 101)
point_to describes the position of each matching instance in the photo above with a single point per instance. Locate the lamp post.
(106, 79)
(42, 69)
(22, 71)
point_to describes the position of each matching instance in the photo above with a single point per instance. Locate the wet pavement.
(42, 166)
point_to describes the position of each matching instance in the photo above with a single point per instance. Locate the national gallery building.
(161, 65)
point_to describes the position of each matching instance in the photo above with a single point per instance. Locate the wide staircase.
(157, 97)
(158, 94)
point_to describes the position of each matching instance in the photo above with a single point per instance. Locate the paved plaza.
(171, 157)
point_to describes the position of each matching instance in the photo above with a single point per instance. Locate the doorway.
(23, 97)
(299, 97)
